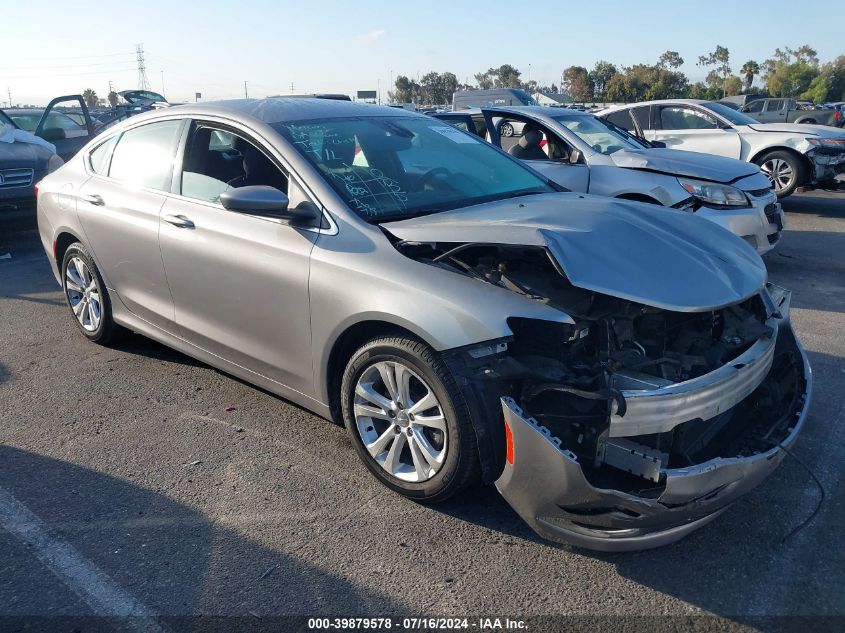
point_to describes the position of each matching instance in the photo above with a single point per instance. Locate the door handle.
(179, 221)
(94, 198)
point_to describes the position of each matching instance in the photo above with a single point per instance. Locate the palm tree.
(749, 70)
(90, 97)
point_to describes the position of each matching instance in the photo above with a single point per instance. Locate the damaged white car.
(590, 155)
(792, 155)
(621, 371)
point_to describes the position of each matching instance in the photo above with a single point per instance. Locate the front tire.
(785, 171)
(506, 130)
(86, 295)
(408, 420)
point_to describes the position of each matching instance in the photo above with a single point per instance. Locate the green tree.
(789, 73)
(733, 86)
(112, 98)
(90, 97)
(577, 82)
(505, 76)
(720, 59)
(600, 76)
(437, 88)
(407, 90)
(670, 59)
(749, 70)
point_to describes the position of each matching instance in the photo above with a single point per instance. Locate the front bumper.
(545, 483)
(760, 225)
(827, 163)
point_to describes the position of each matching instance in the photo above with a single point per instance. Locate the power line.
(37, 66)
(63, 74)
(63, 57)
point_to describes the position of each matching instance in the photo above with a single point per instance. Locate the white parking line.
(94, 587)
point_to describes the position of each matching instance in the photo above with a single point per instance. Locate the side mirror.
(53, 134)
(575, 156)
(658, 144)
(264, 201)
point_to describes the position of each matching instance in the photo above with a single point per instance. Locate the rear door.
(239, 282)
(689, 128)
(118, 208)
(58, 128)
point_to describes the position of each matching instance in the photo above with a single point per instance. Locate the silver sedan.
(621, 372)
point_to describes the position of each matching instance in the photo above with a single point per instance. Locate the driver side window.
(677, 118)
(217, 160)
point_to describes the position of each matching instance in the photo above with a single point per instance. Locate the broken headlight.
(713, 194)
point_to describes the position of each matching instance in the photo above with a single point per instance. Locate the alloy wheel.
(400, 421)
(83, 294)
(780, 173)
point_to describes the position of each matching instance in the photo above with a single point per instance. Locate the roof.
(656, 101)
(289, 109)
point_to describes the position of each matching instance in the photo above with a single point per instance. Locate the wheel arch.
(345, 345)
(61, 243)
(808, 166)
(356, 334)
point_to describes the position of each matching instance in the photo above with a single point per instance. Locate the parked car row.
(621, 371)
(792, 155)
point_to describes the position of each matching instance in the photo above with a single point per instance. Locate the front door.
(239, 282)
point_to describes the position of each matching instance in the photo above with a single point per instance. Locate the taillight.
(508, 443)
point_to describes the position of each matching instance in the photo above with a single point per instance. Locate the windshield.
(734, 116)
(26, 120)
(597, 133)
(4, 120)
(400, 167)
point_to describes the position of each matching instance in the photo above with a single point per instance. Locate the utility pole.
(291, 87)
(143, 82)
(162, 83)
(9, 91)
(378, 90)
(246, 94)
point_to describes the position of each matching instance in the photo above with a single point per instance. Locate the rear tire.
(408, 420)
(86, 295)
(785, 170)
(506, 130)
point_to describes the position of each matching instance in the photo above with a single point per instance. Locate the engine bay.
(573, 378)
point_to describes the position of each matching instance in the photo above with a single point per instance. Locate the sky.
(50, 48)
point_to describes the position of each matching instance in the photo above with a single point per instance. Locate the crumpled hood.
(651, 255)
(680, 163)
(823, 131)
(24, 155)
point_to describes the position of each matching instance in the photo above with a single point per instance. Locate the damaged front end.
(631, 425)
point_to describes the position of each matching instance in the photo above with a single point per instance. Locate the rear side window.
(144, 155)
(641, 117)
(622, 119)
(101, 156)
(754, 106)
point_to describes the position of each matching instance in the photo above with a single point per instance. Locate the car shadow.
(822, 204)
(800, 264)
(190, 571)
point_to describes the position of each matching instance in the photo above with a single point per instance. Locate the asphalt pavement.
(137, 481)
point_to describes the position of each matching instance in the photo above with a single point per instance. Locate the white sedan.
(791, 154)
